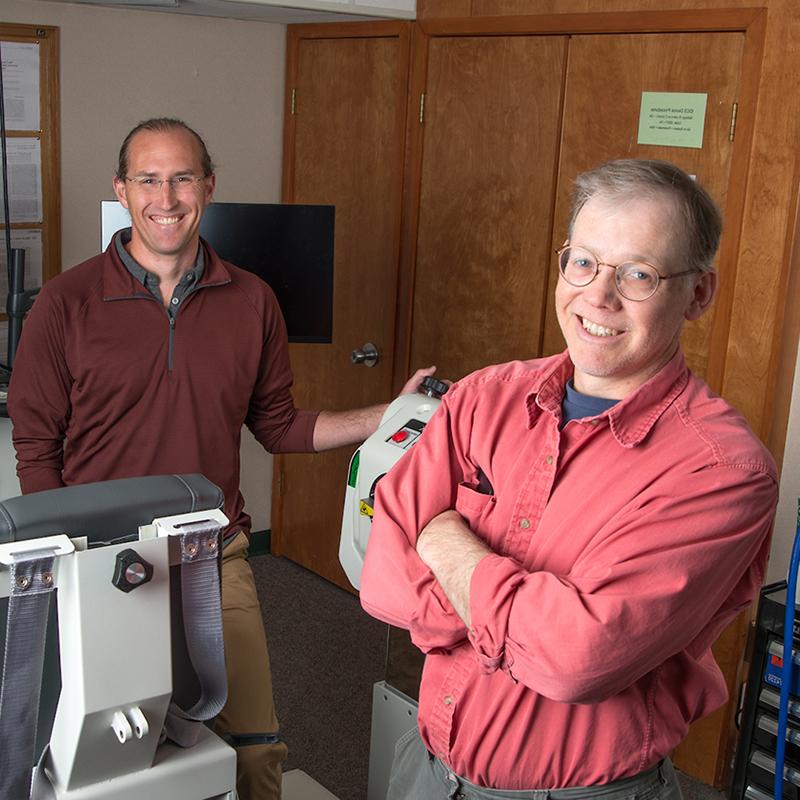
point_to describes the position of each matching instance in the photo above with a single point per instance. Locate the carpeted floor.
(326, 655)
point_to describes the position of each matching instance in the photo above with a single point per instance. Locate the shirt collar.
(121, 278)
(633, 417)
(122, 237)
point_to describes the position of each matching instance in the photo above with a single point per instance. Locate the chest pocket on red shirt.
(474, 505)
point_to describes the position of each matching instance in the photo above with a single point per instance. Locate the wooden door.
(344, 138)
(473, 182)
(605, 81)
(490, 136)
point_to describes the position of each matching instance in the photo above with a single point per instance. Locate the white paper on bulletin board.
(672, 119)
(21, 85)
(24, 157)
(31, 242)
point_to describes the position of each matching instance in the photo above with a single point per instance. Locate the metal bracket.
(59, 545)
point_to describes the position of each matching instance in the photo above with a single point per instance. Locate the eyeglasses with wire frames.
(635, 280)
(179, 184)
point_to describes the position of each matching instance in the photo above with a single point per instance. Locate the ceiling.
(238, 9)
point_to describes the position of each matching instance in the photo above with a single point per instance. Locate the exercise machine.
(128, 572)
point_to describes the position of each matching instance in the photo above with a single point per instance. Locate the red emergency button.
(400, 436)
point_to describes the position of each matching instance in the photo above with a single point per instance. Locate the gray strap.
(29, 603)
(202, 620)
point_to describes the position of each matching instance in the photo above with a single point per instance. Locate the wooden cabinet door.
(605, 81)
(491, 120)
(343, 146)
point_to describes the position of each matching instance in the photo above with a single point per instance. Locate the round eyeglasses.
(180, 183)
(635, 280)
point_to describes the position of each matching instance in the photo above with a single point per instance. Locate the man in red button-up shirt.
(570, 535)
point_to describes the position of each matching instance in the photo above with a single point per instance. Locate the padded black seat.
(106, 510)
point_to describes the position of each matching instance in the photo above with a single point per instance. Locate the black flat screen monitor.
(291, 248)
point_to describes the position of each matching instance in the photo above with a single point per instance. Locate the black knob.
(433, 387)
(131, 571)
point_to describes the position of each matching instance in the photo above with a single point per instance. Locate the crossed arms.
(607, 586)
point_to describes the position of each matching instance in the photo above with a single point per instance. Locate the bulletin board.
(30, 62)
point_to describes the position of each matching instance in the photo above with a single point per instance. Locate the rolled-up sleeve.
(673, 572)
(396, 586)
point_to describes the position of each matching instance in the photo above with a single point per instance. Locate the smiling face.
(165, 223)
(616, 344)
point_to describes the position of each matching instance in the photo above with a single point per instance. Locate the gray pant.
(418, 775)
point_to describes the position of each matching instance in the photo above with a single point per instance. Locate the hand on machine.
(401, 424)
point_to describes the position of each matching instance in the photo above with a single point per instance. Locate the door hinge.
(422, 108)
(734, 112)
(294, 101)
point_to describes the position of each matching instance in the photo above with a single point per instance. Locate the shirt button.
(448, 700)
(524, 523)
(175, 301)
(549, 459)
(594, 423)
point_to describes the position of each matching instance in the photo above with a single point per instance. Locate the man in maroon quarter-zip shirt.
(148, 359)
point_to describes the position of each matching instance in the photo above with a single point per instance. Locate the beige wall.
(224, 77)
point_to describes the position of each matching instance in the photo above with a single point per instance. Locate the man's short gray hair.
(701, 217)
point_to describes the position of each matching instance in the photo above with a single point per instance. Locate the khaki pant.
(248, 721)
